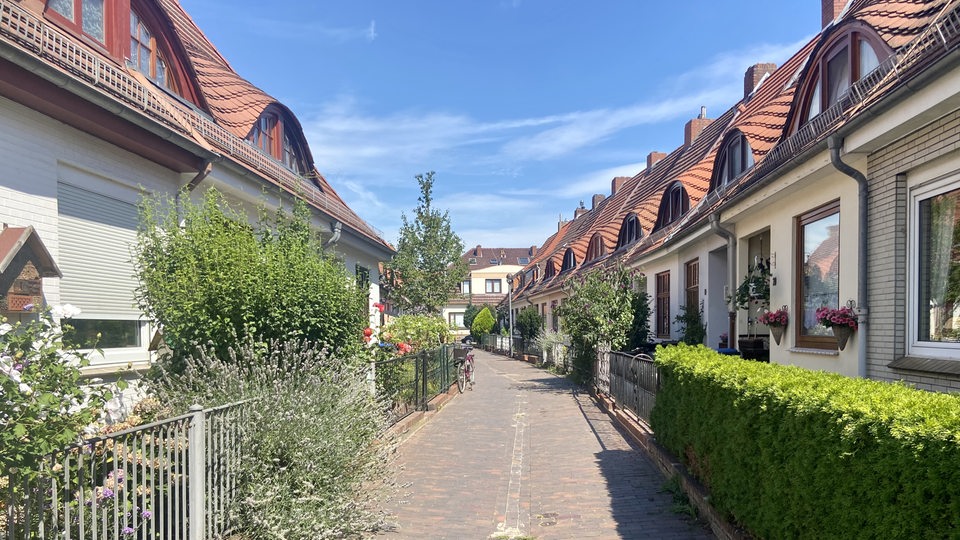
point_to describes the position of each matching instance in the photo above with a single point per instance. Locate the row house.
(838, 174)
(103, 102)
(488, 273)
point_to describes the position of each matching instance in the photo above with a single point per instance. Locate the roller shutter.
(97, 235)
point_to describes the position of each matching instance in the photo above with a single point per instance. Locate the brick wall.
(888, 244)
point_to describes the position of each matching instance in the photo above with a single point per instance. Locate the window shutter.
(97, 235)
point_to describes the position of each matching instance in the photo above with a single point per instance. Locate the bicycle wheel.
(461, 376)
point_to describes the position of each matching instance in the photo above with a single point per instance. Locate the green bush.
(217, 278)
(312, 453)
(418, 331)
(791, 453)
(529, 323)
(482, 323)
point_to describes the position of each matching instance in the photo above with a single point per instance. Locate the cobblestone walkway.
(527, 455)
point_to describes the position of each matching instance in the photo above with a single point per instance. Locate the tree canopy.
(427, 267)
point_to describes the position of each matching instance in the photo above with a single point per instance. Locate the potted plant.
(776, 321)
(842, 321)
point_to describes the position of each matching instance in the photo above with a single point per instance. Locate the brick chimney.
(579, 211)
(695, 126)
(754, 75)
(533, 251)
(653, 158)
(597, 199)
(477, 252)
(617, 183)
(830, 10)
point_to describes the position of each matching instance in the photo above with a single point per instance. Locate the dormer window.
(674, 204)
(551, 269)
(569, 260)
(734, 159)
(272, 137)
(596, 248)
(852, 55)
(144, 56)
(629, 231)
(88, 16)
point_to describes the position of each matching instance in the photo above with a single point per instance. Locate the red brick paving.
(527, 453)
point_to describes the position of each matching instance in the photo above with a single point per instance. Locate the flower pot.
(777, 333)
(842, 333)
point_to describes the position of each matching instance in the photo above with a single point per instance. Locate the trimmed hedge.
(792, 453)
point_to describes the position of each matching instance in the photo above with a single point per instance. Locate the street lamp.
(510, 309)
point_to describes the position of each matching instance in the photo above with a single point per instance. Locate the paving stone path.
(526, 454)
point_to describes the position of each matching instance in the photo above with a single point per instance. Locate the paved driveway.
(526, 454)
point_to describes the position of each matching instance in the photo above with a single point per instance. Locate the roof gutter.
(337, 228)
(835, 143)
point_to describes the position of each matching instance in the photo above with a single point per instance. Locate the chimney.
(695, 126)
(533, 251)
(617, 183)
(597, 199)
(477, 252)
(755, 74)
(579, 211)
(830, 10)
(653, 158)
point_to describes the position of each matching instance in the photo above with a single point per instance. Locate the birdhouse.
(24, 262)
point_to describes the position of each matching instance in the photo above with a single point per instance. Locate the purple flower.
(18, 366)
(127, 531)
(146, 514)
(107, 493)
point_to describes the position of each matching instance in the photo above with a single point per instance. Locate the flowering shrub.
(830, 317)
(775, 318)
(42, 404)
(313, 443)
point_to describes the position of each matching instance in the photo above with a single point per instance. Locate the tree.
(598, 314)
(470, 313)
(529, 323)
(427, 267)
(482, 324)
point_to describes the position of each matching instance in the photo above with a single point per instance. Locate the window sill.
(819, 352)
(939, 366)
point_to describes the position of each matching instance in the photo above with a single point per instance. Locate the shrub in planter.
(792, 453)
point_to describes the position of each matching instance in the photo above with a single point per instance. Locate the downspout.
(834, 143)
(731, 275)
(337, 227)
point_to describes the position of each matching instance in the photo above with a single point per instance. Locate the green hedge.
(791, 453)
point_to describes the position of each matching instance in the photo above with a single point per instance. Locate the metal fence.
(172, 479)
(631, 380)
(410, 382)
(501, 345)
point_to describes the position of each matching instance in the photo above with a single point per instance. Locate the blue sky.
(523, 108)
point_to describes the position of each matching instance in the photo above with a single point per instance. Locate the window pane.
(93, 18)
(868, 58)
(100, 333)
(814, 102)
(820, 285)
(838, 76)
(63, 7)
(939, 269)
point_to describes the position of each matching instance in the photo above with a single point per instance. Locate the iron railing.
(501, 345)
(631, 380)
(173, 479)
(410, 382)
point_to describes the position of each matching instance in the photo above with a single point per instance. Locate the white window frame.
(918, 193)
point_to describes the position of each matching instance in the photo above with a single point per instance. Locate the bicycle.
(465, 372)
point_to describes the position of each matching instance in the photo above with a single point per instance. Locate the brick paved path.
(525, 454)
